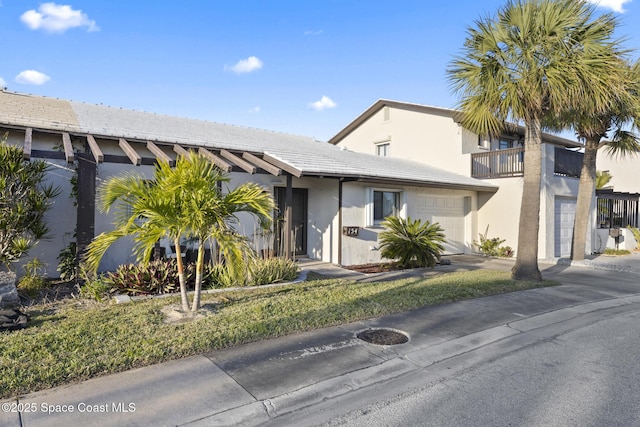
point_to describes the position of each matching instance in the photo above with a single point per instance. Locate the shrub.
(67, 263)
(272, 270)
(24, 200)
(96, 288)
(33, 280)
(491, 247)
(411, 243)
(157, 277)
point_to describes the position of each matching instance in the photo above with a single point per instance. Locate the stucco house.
(435, 137)
(619, 204)
(331, 198)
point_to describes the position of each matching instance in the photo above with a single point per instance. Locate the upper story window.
(383, 149)
(506, 143)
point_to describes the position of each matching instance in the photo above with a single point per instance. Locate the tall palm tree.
(182, 202)
(620, 120)
(534, 59)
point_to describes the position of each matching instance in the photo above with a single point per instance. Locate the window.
(382, 203)
(505, 143)
(383, 149)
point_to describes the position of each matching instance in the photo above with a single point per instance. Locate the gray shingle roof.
(303, 153)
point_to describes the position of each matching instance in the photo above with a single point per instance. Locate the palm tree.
(533, 60)
(622, 117)
(182, 202)
(602, 179)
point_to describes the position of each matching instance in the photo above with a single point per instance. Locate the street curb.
(413, 361)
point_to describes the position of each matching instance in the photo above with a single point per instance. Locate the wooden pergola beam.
(246, 166)
(95, 149)
(26, 149)
(282, 165)
(160, 155)
(68, 148)
(131, 153)
(215, 159)
(180, 151)
(273, 170)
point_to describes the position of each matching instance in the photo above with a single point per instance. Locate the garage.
(565, 213)
(449, 212)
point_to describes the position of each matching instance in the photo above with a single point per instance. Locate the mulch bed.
(373, 268)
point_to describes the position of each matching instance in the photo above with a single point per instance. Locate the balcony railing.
(510, 163)
(498, 164)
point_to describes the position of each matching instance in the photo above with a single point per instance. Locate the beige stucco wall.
(429, 138)
(624, 172)
(501, 211)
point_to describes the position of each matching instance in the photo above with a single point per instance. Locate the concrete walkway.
(294, 380)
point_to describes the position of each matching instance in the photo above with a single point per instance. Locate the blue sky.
(305, 67)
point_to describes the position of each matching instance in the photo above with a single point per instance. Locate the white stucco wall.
(433, 139)
(364, 248)
(624, 172)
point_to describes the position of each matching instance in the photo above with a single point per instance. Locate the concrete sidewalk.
(279, 380)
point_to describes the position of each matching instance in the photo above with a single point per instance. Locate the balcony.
(510, 162)
(498, 164)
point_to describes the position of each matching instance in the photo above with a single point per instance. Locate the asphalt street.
(587, 376)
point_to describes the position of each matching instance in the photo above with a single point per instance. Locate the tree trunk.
(526, 266)
(581, 226)
(199, 274)
(181, 277)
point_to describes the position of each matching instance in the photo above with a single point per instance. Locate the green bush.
(161, 277)
(491, 247)
(157, 277)
(272, 270)
(67, 263)
(33, 280)
(411, 243)
(97, 288)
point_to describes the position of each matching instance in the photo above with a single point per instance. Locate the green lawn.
(77, 340)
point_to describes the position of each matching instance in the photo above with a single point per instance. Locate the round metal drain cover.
(383, 336)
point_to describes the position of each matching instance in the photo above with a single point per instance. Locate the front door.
(299, 219)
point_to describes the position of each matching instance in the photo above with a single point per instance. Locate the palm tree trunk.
(526, 266)
(585, 196)
(181, 277)
(199, 273)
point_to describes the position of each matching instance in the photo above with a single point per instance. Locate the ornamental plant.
(411, 243)
(24, 200)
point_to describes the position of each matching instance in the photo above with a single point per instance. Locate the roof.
(428, 109)
(299, 155)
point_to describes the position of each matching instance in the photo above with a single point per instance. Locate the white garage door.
(565, 213)
(449, 213)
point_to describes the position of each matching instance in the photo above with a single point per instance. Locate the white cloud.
(248, 65)
(324, 103)
(32, 77)
(255, 109)
(313, 32)
(2, 82)
(615, 5)
(57, 18)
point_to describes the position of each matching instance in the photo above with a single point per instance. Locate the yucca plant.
(411, 243)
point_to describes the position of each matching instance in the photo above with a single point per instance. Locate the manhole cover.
(383, 336)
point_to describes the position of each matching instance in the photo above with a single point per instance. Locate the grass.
(78, 340)
(616, 252)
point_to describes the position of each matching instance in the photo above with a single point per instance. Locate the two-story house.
(434, 136)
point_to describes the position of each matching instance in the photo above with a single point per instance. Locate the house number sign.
(351, 231)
